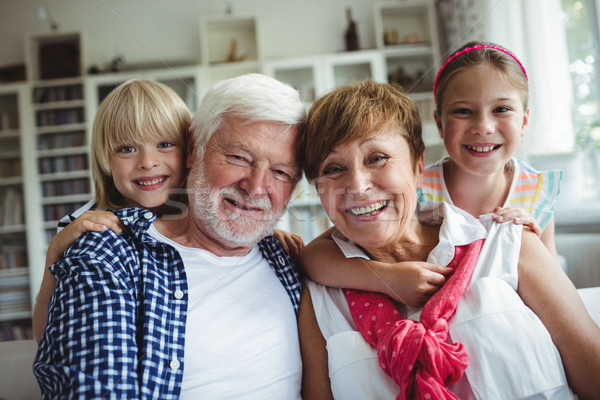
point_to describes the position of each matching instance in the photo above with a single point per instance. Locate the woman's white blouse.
(511, 355)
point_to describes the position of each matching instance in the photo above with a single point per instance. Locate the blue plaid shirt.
(116, 326)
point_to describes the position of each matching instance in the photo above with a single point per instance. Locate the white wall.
(146, 31)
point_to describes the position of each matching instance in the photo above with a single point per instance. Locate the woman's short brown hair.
(356, 111)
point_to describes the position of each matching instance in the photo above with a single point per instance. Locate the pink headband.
(468, 49)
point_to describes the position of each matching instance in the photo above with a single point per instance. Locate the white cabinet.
(313, 76)
(187, 82)
(406, 32)
(305, 74)
(230, 46)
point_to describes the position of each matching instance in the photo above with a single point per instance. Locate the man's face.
(242, 186)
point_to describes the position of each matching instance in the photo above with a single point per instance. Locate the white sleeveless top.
(511, 354)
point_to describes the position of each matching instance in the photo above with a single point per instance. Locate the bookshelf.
(61, 148)
(15, 289)
(406, 32)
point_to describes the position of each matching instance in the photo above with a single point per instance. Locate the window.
(581, 30)
(578, 208)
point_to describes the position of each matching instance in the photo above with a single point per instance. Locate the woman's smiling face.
(368, 187)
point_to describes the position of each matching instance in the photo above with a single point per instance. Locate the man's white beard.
(231, 228)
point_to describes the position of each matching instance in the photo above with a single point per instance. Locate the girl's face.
(146, 174)
(368, 188)
(481, 121)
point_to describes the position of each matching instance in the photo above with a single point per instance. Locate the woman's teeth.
(481, 149)
(151, 182)
(369, 210)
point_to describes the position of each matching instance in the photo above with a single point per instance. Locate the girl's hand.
(291, 242)
(412, 282)
(518, 216)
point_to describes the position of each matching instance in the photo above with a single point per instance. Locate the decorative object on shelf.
(412, 38)
(351, 35)
(390, 37)
(231, 54)
(410, 82)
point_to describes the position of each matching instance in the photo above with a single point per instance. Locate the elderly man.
(195, 307)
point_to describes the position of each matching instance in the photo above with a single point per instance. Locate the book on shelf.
(63, 116)
(51, 94)
(65, 187)
(53, 165)
(10, 167)
(21, 330)
(4, 120)
(12, 256)
(62, 140)
(11, 206)
(54, 212)
(15, 300)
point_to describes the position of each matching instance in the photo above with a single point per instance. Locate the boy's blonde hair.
(135, 112)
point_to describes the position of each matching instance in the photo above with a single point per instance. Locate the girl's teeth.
(369, 210)
(481, 149)
(152, 182)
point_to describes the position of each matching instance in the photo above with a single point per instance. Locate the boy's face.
(146, 174)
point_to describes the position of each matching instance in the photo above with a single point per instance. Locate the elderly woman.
(507, 323)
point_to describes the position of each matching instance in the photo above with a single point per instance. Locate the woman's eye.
(501, 109)
(331, 170)
(378, 158)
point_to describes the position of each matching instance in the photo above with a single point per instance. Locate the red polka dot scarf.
(416, 354)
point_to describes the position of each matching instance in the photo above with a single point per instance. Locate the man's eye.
(282, 175)
(238, 159)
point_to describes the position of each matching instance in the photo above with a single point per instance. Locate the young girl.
(481, 94)
(138, 160)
